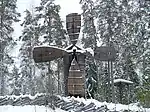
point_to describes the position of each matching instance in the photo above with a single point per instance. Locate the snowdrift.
(45, 103)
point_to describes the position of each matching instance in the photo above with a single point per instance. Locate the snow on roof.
(123, 81)
(71, 47)
(79, 46)
(80, 51)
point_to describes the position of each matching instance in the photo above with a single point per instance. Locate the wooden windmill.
(73, 57)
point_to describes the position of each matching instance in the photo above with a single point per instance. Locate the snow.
(77, 48)
(49, 47)
(34, 108)
(123, 80)
(28, 108)
(145, 52)
(74, 48)
(110, 106)
(21, 96)
(90, 50)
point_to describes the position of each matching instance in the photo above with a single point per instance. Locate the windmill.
(73, 57)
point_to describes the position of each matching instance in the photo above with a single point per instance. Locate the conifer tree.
(15, 82)
(143, 51)
(116, 21)
(8, 15)
(89, 30)
(89, 40)
(52, 33)
(29, 38)
(51, 29)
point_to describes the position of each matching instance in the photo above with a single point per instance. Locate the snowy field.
(27, 109)
(111, 107)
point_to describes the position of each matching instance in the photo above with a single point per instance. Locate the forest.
(124, 24)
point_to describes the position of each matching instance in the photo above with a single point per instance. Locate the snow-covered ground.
(111, 106)
(27, 108)
(87, 102)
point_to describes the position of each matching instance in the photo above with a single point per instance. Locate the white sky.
(69, 6)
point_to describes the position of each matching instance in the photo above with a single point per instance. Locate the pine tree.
(30, 39)
(89, 30)
(92, 79)
(51, 29)
(8, 15)
(52, 33)
(116, 26)
(142, 47)
(15, 82)
(89, 40)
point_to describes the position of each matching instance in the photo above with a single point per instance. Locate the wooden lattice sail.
(47, 53)
(73, 25)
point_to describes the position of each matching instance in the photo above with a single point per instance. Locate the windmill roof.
(72, 47)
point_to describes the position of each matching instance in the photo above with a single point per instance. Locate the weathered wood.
(45, 54)
(75, 80)
(73, 25)
(75, 73)
(105, 53)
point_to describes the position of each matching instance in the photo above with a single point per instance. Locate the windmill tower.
(74, 62)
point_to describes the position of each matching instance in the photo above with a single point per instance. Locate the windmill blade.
(47, 53)
(105, 53)
(73, 25)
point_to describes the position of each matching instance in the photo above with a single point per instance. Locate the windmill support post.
(107, 54)
(108, 89)
(112, 83)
